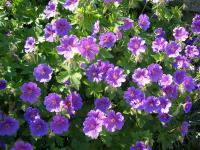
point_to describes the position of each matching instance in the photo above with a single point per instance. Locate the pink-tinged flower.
(165, 117)
(59, 124)
(29, 45)
(50, 10)
(171, 91)
(88, 48)
(97, 114)
(165, 80)
(173, 49)
(94, 74)
(102, 104)
(127, 24)
(144, 22)
(180, 33)
(68, 46)
(159, 44)
(119, 35)
(30, 92)
(39, 128)
(187, 105)
(50, 33)
(189, 83)
(159, 32)
(155, 72)
(8, 126)
(113, 121)
(71, 4)
(62, 27)
(136, 45)
(191, 51)
(196, 24)
(164, 105)
(141, 77)
(20, 145)
(151, 104)
(52, 102)
(43, 73)
(179, 76)
(184, 128)
(134, 97)
(107, 40)
(181, 62)
(115, 77)
(92, 127)
(96, 28)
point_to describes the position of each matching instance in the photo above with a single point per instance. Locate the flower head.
(115, 77)
(179, 76)
(50, 9)
(187, 105)
(151, 104)
(29, 45)
(102, 104)
(144, 22)
(159, 44)
(3, 84)
(164, 117)
(52, 102)
(196, 24)
(8, 126)
(191, 51)
(171, 91)
(71, 4)
(94, 74)
(59, 124)
(50, 32)
(164, 105)
(181, 62)
(155, 72)
(62, 27)
(136, 45)
(173, 49)
(189, 83)
(31, 114)
(127, 24)
(165, 80)
(38, 128)
(43, 73)
(180, 33)
(76, 100)
(159, 32)
(30, 92)
(141, 77)
(20, 145)
(107, 39)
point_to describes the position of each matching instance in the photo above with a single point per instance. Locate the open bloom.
(30, 92)
(151, 104)
(38, 128)
(113, 121)
(136, 45)
(173, 49)
(103, 104)
(196, 24)
(71, 4)
(62, 27)
(29, 45)
(155, 72)
(20, 145)
(107, 39)
(179, 76)
(191, 51)
(165, 80)
(171, 91)
(159, 32)
(164, 105)
(43, 73)
(115, 77)
(141, 77)
(164, 117)
(31, 114)
(144, 22)
(52, 102)
(50, 9)
(181, 62)
(159, 44)
(50, 32)
(189, 83)
(93, 73)
(8, 126)
(127, 24)
(180, 33)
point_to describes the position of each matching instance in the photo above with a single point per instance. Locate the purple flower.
(102, 104)
(164, 117)
(96, 28)
(39, 128)
(191, 51)
(43, 73)
(119, 35)
(159, 32)
(97, 114)
(88, 48)
(50, 9)
(173, 49)
(159, 44)
(113, 121)
(92, 127)
(30, 92)
(59, 124)
(189, 83)
(136, 45)
(151, 104)
(62, 27)
(140, 145)
(3, 84)
(165, 80)
(71, 4)
(155, 72)
(29, 45)
(31, 114)
(83, 65)
(134, 97)
(181, 62)
(115, 77)
(107, 40)
(52, 102)
(68, 46)
(127, 24)
(104, 66)
(179, 76)
(76, 100)
(94, 74)
(164, 105)
(184, 128)
(187, 105)
(144, 22)
(20, 145)
(171, 91)
(68, 106)
(8, 126)
(50, 33)
(196, 24)
(180, 33)
(141, 77)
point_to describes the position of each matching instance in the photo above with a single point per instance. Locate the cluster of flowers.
(103, 70)
(102, 116)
